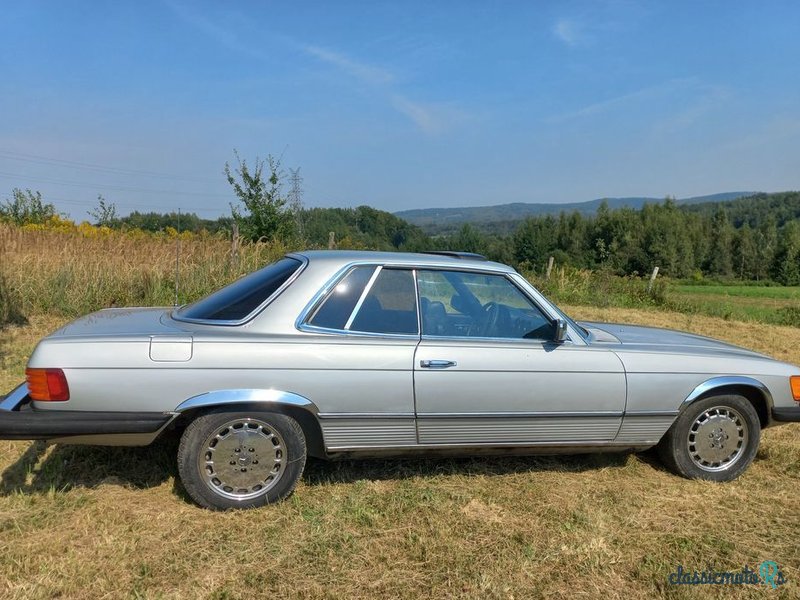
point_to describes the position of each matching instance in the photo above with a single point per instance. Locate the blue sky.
(398, 105)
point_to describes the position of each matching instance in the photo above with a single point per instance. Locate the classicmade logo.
(767, 573)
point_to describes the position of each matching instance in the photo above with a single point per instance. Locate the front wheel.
(715, 439)
(237, 459)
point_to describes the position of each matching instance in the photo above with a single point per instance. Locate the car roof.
(342, 258)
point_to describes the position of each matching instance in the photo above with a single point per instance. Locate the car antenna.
(177, 258)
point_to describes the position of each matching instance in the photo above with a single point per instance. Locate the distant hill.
(502, 218)
(779, 207)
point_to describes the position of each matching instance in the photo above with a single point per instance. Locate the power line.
(37, 159)
(116, 188)
(152, 207)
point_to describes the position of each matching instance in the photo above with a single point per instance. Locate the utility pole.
(296, 198)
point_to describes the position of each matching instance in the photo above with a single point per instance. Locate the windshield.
(237, 301)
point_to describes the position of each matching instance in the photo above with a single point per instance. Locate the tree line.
(754, 238)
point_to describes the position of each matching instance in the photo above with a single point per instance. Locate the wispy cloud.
(646, 93)
(428, 118)
(223, 36)
(568, 31)
(359, 70)
(597, 20)
(702, 101)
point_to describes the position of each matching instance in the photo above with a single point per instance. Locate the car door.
(364, 332)
(487, 372)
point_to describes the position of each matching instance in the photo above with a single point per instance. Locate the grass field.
(84, 522)
(773, 304)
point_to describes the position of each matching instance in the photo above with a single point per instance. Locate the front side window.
(241, 298)
(462, 304)
(370, 300)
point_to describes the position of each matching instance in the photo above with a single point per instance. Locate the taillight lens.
(47, 385)
(794, 382)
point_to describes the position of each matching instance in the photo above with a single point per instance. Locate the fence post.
(652, 279)
(550, 262)
(235, 245)
(331, 240)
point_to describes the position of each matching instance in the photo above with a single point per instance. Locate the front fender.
(750, 387)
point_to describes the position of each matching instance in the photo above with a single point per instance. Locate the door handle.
(437, 364)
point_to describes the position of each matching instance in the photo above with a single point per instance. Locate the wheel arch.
(754, 390)
(299, 408)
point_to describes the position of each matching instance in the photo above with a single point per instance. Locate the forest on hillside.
(754, 238)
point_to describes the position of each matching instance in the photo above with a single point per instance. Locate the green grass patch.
(768, 304)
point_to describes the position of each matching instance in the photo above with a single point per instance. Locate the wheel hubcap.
(242, 459)
(717, 439)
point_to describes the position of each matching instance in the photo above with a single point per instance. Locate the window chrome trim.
(418, 302)
(254, 313)
(364, 294)
(301, 323)
(345, 333)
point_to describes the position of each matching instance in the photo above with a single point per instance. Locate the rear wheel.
(715, 438)
(241, 459)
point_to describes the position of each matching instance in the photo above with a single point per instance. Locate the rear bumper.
(790, 414)
(20, 421)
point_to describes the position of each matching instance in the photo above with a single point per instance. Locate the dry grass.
(108, 523)
(68, 273)
(781, 342)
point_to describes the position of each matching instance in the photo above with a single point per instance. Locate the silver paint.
(615, 386)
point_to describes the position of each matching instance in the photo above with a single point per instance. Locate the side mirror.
(560, 333)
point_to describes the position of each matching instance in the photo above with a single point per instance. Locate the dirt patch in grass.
(90, 522)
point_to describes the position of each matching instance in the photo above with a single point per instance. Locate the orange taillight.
(47, 385)
(794, 383)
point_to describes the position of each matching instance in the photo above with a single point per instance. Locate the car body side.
(355, 393)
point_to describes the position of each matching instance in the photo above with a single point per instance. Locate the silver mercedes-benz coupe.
(338, 353)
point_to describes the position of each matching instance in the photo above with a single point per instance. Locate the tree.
(744, 252)
(534, 241)
(264, 213)
(468, 239)
(786, 267)
(26, 207)
(105, 215)
(766, 245)
(719, 259)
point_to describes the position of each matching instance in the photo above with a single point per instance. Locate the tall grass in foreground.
(599, 288)
(70, 274)
(75, 271)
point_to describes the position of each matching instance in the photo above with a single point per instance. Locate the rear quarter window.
(241, 298)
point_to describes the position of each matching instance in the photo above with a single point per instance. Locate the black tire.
(241, 459)
(715, 438)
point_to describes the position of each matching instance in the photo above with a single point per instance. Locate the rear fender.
(301, 409)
